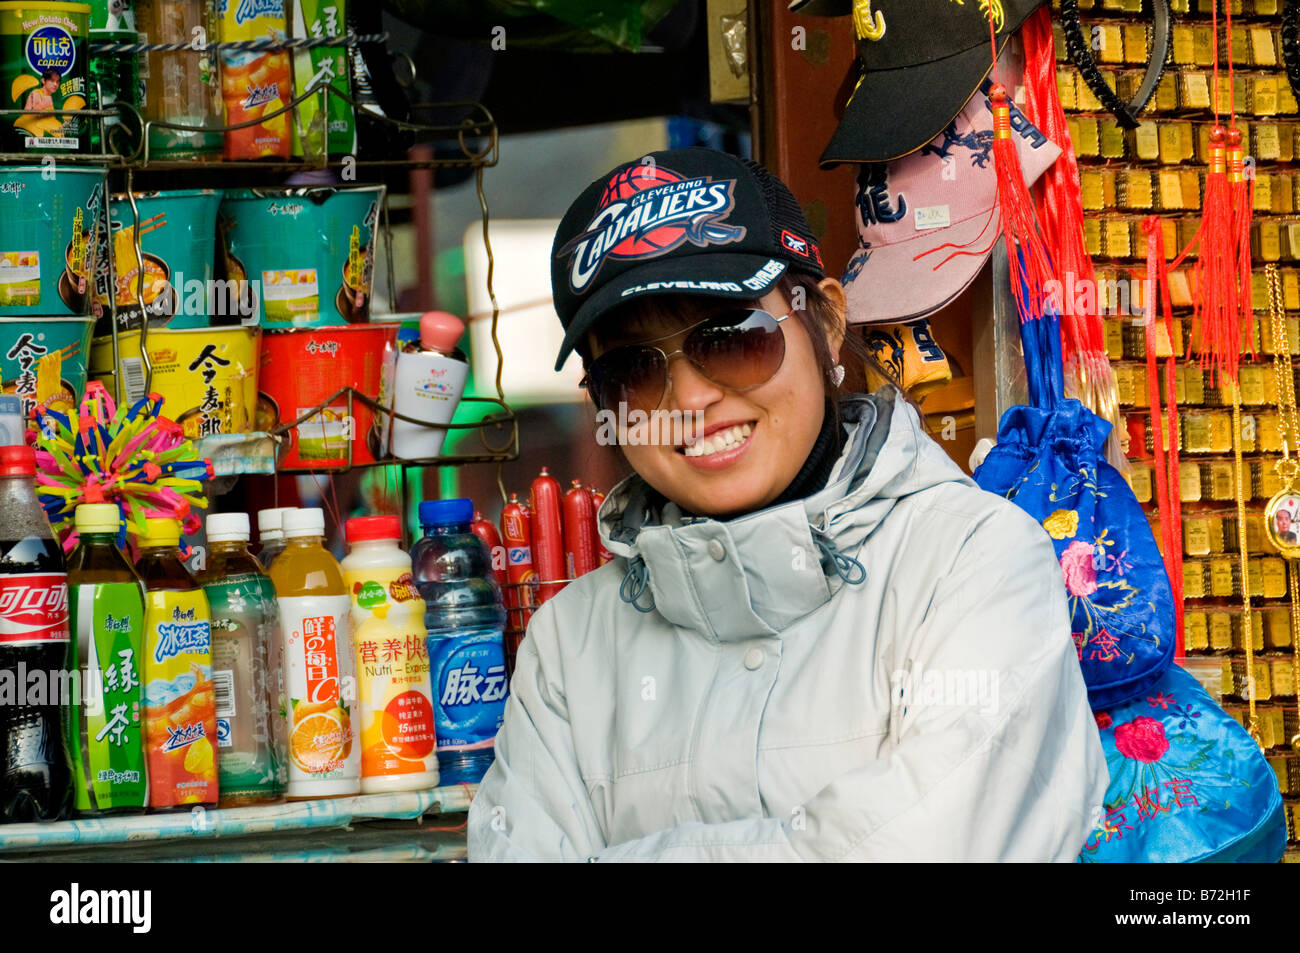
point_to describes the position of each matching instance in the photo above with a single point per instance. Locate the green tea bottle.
(106, 602)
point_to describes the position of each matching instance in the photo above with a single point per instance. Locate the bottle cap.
(159, 533)
(97, 518)
(304, 522)
(17, 461)
(446, 512)
(363, 529)
(271, 522)
(439, 331)
(227, 527)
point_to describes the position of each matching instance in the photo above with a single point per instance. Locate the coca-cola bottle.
(36, 688)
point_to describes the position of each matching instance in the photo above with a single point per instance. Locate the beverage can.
(108, 755)
(180, 699)
(320, 678)
(395, 708)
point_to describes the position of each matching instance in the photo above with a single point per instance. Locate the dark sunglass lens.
(628, 375)
(738, 349)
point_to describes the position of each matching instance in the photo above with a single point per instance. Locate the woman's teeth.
(717, 442)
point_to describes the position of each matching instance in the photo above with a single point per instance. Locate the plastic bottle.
(270, 533)
(464, 618)
(106, 739)
(180, 699)
(36, 772)
(320, 666)
(248, 766)
(394, 704)
(425, 383)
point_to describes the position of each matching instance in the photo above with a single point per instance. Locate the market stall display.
(1147, 153)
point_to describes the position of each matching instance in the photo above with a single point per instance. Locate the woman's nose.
(688, 389)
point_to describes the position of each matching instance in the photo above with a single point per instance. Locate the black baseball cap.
(919, 64)
(683, 221)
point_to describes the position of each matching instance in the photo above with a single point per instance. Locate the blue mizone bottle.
(464, 618)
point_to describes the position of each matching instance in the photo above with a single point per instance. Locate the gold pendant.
(1282, 521)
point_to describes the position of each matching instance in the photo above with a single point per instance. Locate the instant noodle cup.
(173, 235)
(49, 228)
(207, 376)
(43, 72)
(303, 369)
(43, 361)
(308, 252)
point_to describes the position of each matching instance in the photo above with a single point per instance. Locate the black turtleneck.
(817, 468)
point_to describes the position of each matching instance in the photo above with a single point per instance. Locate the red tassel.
(1168, 491)
(1216, 322)
(1242, 192)
(1027, 257)
(1060, 213)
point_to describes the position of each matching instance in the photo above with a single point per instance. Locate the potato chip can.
(43, 67)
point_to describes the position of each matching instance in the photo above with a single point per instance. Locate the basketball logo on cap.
(646, 211)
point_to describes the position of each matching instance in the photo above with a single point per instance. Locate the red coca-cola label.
(33, 608)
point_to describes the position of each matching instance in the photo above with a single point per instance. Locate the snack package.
(255, 84)
(335, 129)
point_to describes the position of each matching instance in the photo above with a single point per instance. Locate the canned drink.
(43, 67)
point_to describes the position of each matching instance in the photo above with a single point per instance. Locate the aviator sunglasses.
(738, 349)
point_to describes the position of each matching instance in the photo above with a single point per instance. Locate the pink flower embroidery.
(1080, 573)
(1142, 739)
(1103, 719)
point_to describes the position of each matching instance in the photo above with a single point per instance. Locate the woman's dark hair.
(51, 74)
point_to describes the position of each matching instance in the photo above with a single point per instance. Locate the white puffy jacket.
(768, 709)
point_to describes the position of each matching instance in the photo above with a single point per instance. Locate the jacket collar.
(758, 573)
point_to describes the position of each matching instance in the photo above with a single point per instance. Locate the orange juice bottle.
(319, 665)
(180, 700)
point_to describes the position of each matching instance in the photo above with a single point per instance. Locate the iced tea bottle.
(180, 699)
(319, 665)
(248, 764)
(107, 613)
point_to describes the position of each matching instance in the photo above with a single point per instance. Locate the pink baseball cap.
(927, 222)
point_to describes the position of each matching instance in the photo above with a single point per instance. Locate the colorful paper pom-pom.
(132, 456)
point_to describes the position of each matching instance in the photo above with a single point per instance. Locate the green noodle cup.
(50, 220)
(308, 252)
(43, 70)
(177, 242)
(44, 361)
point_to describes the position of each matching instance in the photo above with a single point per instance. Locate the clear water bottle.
(464, 618)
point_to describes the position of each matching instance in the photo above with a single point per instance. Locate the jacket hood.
(758, 573)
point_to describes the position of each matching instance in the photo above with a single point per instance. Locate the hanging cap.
(17, 461)
(305, 522)
(928, 222)
(446, 512)
(919, 61)
(439, 331)
(362, 529)
(224, 527)
(97, 518)
(161, 533)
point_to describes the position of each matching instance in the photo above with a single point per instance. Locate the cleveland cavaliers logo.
(647, 211)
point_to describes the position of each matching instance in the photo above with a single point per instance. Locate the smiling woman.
(741, 681)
